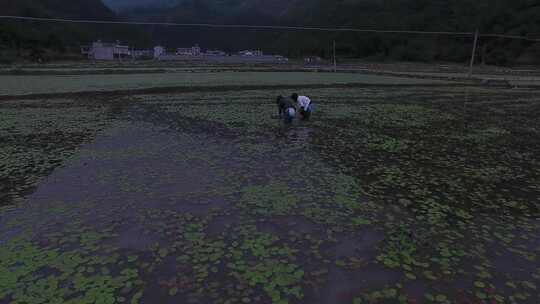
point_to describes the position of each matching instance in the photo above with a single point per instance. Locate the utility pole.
(335, 61)
(476, 33)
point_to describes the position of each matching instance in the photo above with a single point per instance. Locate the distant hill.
(123, 5)
(57, 8)
(516, 17)
(253, 12)
(35, 40)
(223, 7)
(215, 11)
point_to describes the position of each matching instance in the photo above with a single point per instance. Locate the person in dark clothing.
(286, 109)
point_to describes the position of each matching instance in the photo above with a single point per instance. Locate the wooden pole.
(335, 61)
(473, 53)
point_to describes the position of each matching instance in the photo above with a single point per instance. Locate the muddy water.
(219, 208)
(140, 166)
(134, 167)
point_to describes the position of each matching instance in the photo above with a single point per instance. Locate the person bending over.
(286, 109)
(304, 105)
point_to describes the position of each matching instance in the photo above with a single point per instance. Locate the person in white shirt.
(304, 105)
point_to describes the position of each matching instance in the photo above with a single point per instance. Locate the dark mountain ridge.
(518, 17)
(57, 8)
(36, 40)
(126, 5)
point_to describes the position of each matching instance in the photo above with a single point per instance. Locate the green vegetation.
(18, 85)
(389, 195)
(489, 16)
(37, 140)
(38, 42)
(56, 274)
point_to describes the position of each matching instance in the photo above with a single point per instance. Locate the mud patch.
(343, 285)
(198, 207)
(221, 224)
(134, 237)
(362, 245)
(416, 290)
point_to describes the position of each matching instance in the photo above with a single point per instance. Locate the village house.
(142, 54)
(247, 53)
(159, 51)
(192, 51)
(106, 51)
(215, 53)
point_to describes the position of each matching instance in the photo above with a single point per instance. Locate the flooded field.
(389, 195)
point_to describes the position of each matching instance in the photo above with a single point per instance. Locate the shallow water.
(191, 204)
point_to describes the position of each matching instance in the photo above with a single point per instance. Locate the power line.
(239, 26)
(268, 27)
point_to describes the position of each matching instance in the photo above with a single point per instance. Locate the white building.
(142, 54)
(256, 53)
(192, 51)
(215, 53)
(106, 51)
(159, 51)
